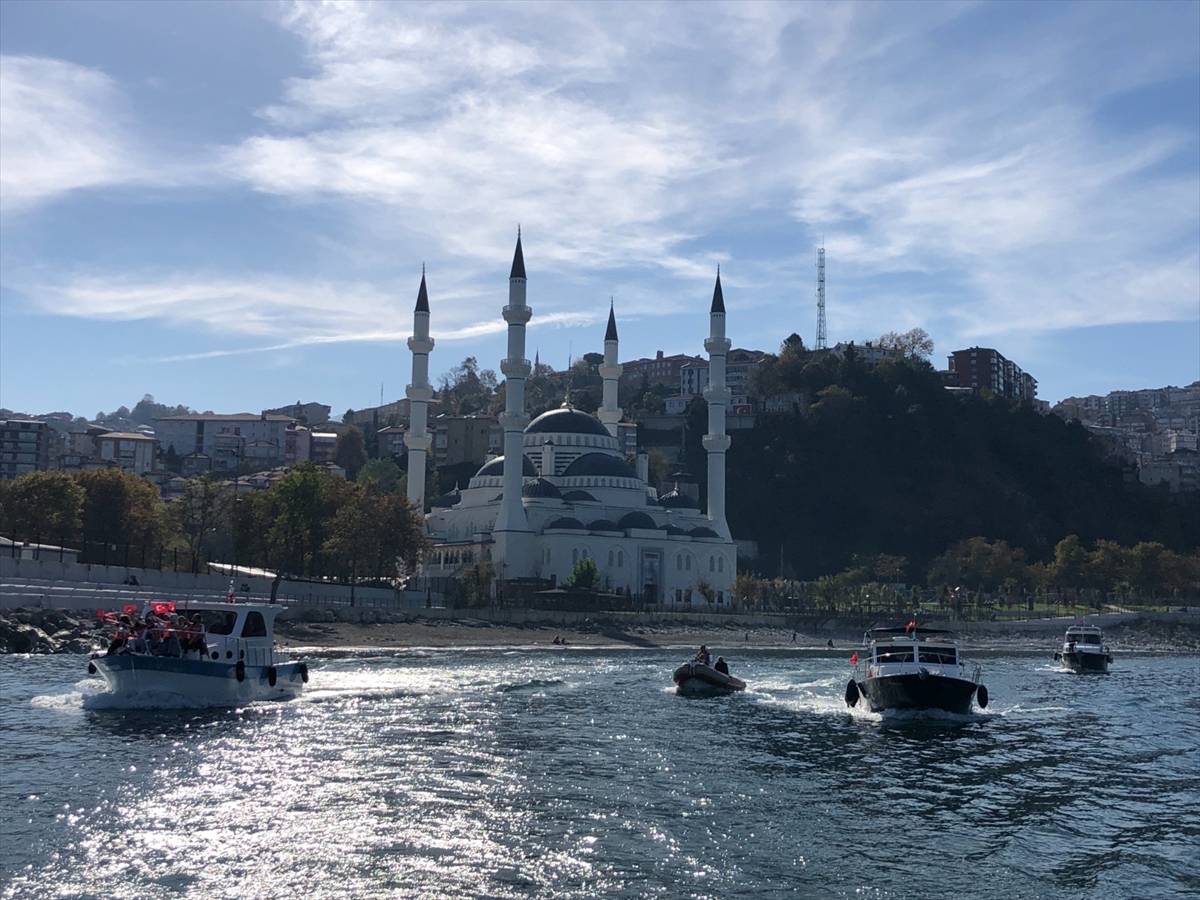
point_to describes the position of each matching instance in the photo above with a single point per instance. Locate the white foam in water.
(68, 703)
(140, 700)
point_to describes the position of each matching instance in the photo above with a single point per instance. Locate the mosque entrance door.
(650, 575)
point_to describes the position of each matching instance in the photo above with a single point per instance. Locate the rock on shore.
(34, 630)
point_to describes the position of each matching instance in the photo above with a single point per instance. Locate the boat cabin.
(927, 652)
(1084, 634)
(240, 631)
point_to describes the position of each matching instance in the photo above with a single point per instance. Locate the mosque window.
(712, 564)
(679, 562)
(720, 596)
(574, 556)
(620, 558)
(610, 559)
(720, 564)
(687, 563)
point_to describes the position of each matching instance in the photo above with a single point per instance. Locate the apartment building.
(980, 368)
(659, 370)
(24, 447)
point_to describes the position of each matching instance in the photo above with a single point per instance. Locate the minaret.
(417, 440)
(716, 442)
(610, 413)
(511, 532)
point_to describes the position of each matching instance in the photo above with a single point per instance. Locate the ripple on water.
(451, 774)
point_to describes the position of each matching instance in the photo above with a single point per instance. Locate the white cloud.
(59, 131)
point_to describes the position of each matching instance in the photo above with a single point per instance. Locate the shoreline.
(1140, 635)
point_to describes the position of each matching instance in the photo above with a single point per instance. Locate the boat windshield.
(942, 656)
(1083, 637)
(255, 625)
(218, 621)
(889, 653)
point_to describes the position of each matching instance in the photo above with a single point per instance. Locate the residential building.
(305, 413)
(659, 370)
(462, 439)
(869, 354)
(134, 453)
(201, 432)
(391, 440)
(981, 368)
(321, 446)
(24, 447)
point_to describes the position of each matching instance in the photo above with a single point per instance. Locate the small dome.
(579, 497)
(564, 522)
(542, 488)
(673, 530)
(675, 500)
(566, 421)
(496, 467)
(447, 500)
(603, 525)
(703, 531)
(497, 498)
(637, 520)
(599, 464)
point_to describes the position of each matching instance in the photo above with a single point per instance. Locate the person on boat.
(153, 635)
(172, 645)
(722, 666)
(120, 636)
(702, 657)
(196, 636)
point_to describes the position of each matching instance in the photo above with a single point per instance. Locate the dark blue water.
(580, 774)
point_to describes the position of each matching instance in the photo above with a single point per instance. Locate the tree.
(350, 451)
(466, 388)
(41, 506)
(119, 508)
(372, 533)
(914, 343)
(384, 471)
(585, 576)
(293, 510)
(200, 519)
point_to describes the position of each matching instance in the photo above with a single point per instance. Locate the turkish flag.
(910, 626)
(854, 659)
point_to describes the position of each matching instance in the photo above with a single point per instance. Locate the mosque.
(562, 491)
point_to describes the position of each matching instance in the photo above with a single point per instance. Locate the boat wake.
(144, 699)
(534, 684)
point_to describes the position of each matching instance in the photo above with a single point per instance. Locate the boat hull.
(1086, 663)
(694, 679)
(920, 692)
(199, 681)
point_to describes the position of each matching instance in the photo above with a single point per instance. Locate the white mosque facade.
(562, 491)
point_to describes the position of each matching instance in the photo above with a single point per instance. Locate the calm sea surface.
(579, 773)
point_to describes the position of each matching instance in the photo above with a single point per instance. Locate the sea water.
(572, 773)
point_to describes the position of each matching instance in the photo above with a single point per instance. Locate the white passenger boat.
(913, 668)
(1084, 651)
(237, 665)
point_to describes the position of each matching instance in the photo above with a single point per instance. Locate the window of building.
(574, 556)
(610, 559)
(620, 558)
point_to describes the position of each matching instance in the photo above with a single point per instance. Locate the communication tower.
(820, 298)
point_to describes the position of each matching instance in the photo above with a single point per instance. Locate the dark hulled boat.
(913, 668)
(1084, 651)
(696, 678)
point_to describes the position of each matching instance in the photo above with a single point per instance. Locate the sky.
(228, 205)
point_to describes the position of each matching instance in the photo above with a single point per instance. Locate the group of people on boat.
(704, 658)
(166, 634)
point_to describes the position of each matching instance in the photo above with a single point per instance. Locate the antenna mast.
(820, 298)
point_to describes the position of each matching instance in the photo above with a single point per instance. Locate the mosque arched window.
(687, 562)
(712, 564)
(678, 562)
(720, 564)
(574, 556)
(610, 559)
(620, 559)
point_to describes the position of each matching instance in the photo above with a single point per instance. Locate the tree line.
(307, 523)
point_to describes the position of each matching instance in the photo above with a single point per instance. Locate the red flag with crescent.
(910, 626)
(163, 609)
(854, 659)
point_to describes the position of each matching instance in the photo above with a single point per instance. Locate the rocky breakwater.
(34, 630)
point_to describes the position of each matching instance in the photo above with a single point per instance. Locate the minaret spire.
(417, 438)
(716, 442)
(514, 552)
(610, 413)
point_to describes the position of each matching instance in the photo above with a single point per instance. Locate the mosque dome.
(447, 500)
(637, 519)
(673, 530)
(566, 420)
(599, 464)
(603, 525)
(541, 488)
(703, 531)
(675, 500)
(495, 467)
(579, 497)
(564, 523)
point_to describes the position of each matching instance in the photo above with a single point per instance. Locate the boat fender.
(240, 670)
(303, 670)
(1057, 656)
(271, 676)
(981, 696)
(92, 668)
(851, 693)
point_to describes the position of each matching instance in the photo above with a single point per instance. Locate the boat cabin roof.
(1087, 634)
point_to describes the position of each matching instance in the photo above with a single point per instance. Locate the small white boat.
(237, 665)
(913, 668)
(696, 678)
(1084, 651)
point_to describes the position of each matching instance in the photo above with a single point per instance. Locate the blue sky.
(228, 204)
